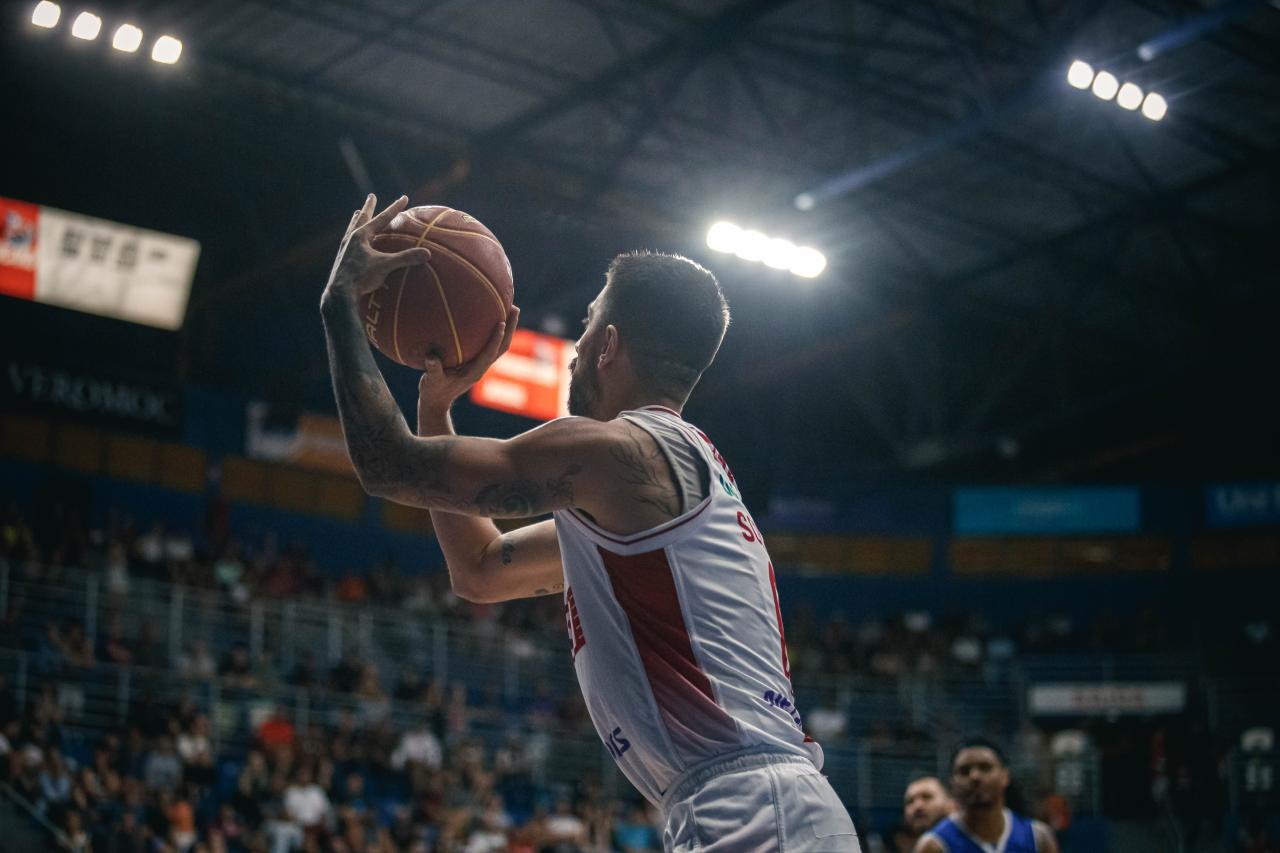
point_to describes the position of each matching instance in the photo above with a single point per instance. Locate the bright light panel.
(1155, 106)
(1130, 97)
(167, 49)
(808, 262)
(778, 253)
(1105, 85)
(127, 38)
(1080, 74)
(46, 14)
(723, 237)
(751, 246)
(86, 26)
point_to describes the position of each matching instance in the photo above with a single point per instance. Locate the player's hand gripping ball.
(447, 307)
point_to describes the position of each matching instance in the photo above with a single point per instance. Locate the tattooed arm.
(484, 564)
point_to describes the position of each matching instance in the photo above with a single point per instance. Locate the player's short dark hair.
(670, 314)
(977, 743)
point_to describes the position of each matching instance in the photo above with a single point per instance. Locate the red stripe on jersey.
(645, 589)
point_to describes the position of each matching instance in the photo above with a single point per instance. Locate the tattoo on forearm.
(524, 498)
(643, 466)
(508, 551)
(375, 430)
(555, 587)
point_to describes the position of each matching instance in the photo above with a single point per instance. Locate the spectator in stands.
(277, 732)
(163, 769)
(55, 786)
(196, 752)
(236, 669)
(114, 648)
(372, 702)
(197, 662)
(305, 803)
(418, 746)
(116, 572)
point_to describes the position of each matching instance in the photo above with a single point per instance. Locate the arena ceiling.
(1024, 281)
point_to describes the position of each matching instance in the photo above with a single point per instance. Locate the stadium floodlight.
(166, 50)
(1080, 74)
(1129, 97)
(46, 14)
(779, 253)
(86, 26)
(1105, 85)
(751, 245)
(1154, 106)
(808, 262)
(128, 38)
(724, 237)
(805, 201)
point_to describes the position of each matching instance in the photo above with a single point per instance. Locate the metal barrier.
(503, 670)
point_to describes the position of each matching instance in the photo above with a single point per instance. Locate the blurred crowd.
(364, 775)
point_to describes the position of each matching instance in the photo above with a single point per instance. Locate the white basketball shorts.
(757, 803)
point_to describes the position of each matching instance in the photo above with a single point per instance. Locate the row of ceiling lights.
(88, 26)
(1127, 96)
(776, 252)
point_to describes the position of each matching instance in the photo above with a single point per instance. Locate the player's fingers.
(366, 209)
(415, 257)
(380, 221)
(513, 321)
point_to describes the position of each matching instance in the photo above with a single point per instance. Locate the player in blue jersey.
(982, 823)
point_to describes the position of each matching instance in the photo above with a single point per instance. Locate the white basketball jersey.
(676, 632)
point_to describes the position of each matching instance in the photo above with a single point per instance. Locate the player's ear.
(609, 351)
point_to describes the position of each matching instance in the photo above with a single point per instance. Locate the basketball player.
(669, 596)
(924, 804)
(982, 824)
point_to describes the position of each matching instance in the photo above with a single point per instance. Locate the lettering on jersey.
(783, 702)
(715, 454)
(750, 532)
(573, 624)
(617, 744)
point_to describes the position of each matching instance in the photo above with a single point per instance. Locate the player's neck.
(640, 401)
(985, 822)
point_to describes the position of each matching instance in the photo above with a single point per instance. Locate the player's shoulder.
(1043, 836)
(930, 842)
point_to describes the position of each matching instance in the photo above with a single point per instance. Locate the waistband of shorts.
(748, 759)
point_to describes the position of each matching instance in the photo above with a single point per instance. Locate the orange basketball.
(449, 307)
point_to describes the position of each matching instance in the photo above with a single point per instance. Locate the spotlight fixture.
(1080, 74)
(1154, 106)
(46, 14)
(776, 252)
(1105, 85)
(128, 38)
(166, 50)
(86, 26)
(1129, 97)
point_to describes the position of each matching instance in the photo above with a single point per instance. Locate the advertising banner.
(1242, 504)
(95, 265)
(92, 397)
(530, 379)
(1107, 698)
(1068, 509)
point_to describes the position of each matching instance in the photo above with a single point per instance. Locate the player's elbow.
(472, 586)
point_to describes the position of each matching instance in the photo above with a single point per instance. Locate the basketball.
(447, 308)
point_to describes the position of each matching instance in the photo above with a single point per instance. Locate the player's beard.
(584, 389)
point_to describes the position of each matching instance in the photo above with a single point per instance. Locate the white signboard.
(95, 265)
(1107, 698)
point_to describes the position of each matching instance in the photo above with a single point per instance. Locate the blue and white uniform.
(1018, 837)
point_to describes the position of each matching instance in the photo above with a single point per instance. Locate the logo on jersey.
(617, 744)
(573, 624)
